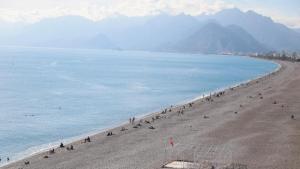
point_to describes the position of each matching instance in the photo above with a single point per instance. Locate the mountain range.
(230, 30)
(214, 38)
(274, 35)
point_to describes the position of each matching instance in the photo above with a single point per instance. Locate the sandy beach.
(250, 125)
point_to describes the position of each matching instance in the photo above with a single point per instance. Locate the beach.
(254, 124)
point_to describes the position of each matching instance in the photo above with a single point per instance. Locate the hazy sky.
(285, 11)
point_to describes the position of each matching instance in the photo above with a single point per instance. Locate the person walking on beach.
(171, 142)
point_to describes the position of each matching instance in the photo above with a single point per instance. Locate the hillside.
(214, 38)
(274, 35)
(237, 32)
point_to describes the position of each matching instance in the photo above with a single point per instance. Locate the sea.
(50, 95)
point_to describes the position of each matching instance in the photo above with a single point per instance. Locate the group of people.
(165, 111)
(68, 148)
(87, 140)
(109, 133)
(131, 120)
(71, 147)
(7, 159)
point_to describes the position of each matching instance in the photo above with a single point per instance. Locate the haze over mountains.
(230, 30)
(214, 38)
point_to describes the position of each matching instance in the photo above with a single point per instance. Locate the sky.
(284, 11)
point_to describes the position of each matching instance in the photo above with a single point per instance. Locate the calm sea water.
(51, 94)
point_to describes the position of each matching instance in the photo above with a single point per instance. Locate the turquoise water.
(51, 94)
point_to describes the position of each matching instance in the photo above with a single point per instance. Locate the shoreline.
(42, 149)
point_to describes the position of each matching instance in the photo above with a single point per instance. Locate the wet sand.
(250, 124)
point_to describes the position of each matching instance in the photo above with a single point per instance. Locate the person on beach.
(171, 142)
(109, 134)
(133, 119)
(52, 151)
(26, 162)
(88, 139)
(7, 159)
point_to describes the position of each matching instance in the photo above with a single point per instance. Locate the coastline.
(43, 149)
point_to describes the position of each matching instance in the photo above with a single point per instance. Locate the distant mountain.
(274, 35)
(214, 38)
(154, 32)
(67, 31)
(100, 41)
(119, 29)
(230, 30)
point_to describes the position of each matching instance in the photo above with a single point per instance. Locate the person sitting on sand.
(26, 162)
(87, 139)
(52, 151)
(137, 125)
(292, 116)
(61, 145)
